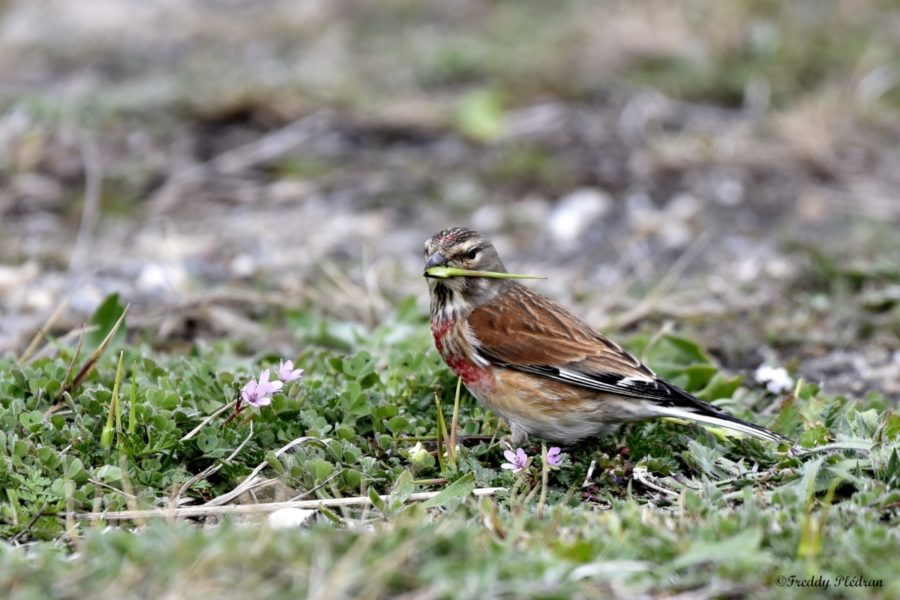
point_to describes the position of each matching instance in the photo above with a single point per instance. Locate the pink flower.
(554, 457)
(518, 460)
(287, 372)
(258, 393)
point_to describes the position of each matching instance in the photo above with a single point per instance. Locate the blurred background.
(727, 170)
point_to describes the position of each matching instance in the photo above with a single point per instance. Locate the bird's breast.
(439, 329)
(451, 341)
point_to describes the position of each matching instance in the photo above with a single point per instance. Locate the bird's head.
(461, 248)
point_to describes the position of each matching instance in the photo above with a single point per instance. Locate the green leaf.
(704, 457)
(49, 457)
(689, 349)
(806, 485)
(720, 386)
(207, 442)
(691, 377)
(104, 318)
(74, 468)
(891, 472)
(368, 380)
(814, 436)
(357, 365)
(385, 411)
(460, 488)
(351, 478)
(892, 427)
(20, 449)
(397, 424)
(376, 499)
(354, 389)
(480, 114)
(698, 376)
(276, 464)
(320, 469)
(109, 473)
(359, 407)
(807, 390)
(728, 550)
(31, 420)
(403, 487)
(63, 488)
(164, 399)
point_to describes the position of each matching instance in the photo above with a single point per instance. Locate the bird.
(536, 364)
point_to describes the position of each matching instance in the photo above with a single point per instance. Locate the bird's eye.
(472, 254)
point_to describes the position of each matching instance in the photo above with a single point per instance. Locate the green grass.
(669, 507)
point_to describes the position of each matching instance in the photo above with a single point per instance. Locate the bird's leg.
(516, 438)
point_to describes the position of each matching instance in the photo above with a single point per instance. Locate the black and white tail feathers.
(728, 422)
(662, 399)
(683, 405)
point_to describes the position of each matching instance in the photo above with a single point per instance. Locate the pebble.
(288, 518)
(575, 213)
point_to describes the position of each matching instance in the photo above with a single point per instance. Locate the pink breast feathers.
(470, 373)
(454, 356)
(439, 329)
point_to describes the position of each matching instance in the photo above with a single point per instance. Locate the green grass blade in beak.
(446, 272)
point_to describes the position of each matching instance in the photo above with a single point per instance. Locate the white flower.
(776, 379)
(416, 450)
(420, 457)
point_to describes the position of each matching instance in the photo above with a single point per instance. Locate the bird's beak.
(435, 260)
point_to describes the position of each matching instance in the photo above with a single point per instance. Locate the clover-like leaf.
(398, 424)
(207, 442)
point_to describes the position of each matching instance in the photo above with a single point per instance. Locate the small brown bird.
(538, 365)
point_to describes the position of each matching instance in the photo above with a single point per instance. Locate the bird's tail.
(727, 421)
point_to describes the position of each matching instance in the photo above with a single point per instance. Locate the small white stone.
(676, 234)
(287, 518)
(729, 192)
(290, 190)
(12, 277)
(86, 298)
(683, 207)
(747, 269)
(243, 265)
(776, 379)
(576, 212)
(40, 300)
(779, 268)
(161, 277)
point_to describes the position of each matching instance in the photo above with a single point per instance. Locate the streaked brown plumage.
(538, 365)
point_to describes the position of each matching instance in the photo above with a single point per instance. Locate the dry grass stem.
(643, 475)
(248, 509)
(250, 481)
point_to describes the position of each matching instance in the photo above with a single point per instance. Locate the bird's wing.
(525, 331)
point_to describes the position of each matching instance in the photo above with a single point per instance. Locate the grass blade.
(447, 272)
